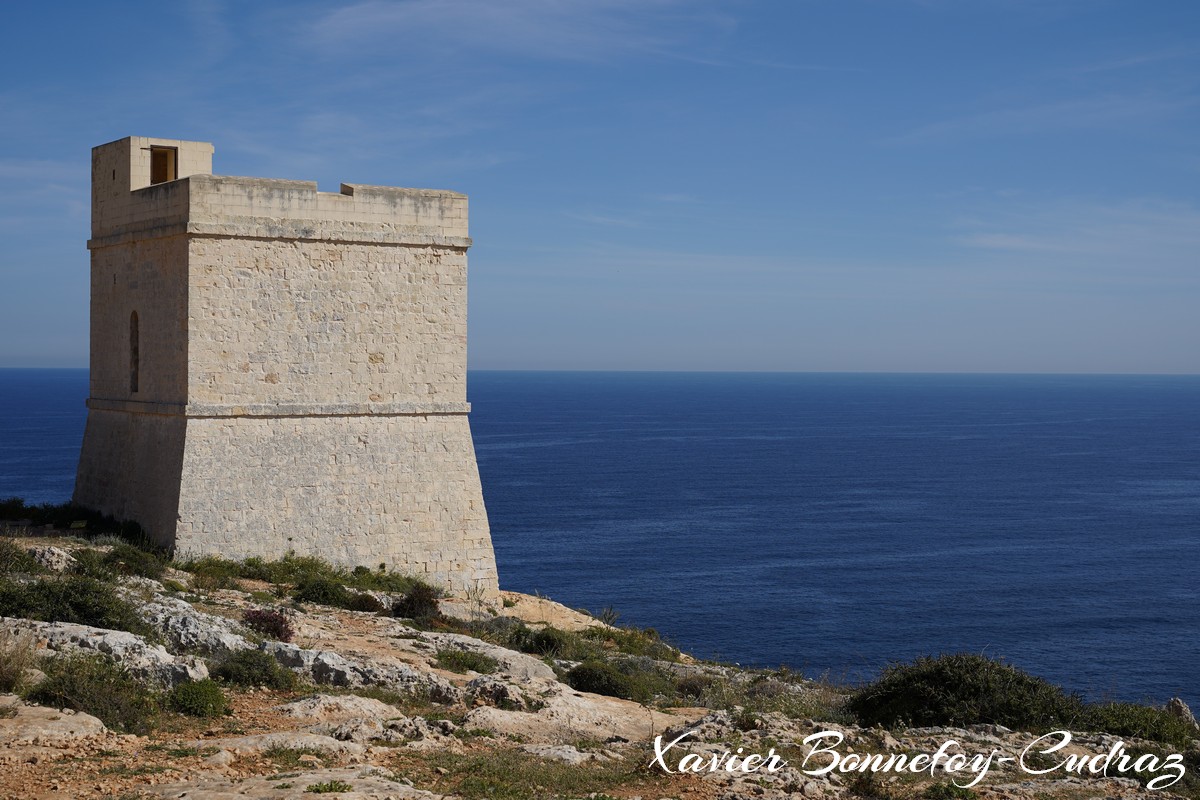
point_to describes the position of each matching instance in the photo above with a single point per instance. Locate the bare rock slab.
(369, 783)
(41, 725)
(326, 708)
(144, 660)
(294, 740)
(187, 629)
(570, 715)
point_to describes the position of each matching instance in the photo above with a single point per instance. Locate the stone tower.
(275, 368)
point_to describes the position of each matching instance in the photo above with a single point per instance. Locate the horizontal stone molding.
(298, 230)
(202, 410)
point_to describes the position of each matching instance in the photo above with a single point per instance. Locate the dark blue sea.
(829, 522)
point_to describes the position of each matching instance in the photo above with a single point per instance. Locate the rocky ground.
(377, 715)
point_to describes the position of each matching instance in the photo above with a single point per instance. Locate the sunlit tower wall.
(277, 369)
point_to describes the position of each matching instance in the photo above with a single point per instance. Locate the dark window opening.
(134, 358)
(162, 164)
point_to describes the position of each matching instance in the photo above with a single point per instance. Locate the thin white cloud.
(547, 29)
(1139, 60)
(1143, 242)
(1084, 113)
(41, 171)
(602, 219)
(674, 197)
(803, 67)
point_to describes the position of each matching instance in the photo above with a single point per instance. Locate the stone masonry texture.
(279, 369)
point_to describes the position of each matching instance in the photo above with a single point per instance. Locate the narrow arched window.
(133, 353)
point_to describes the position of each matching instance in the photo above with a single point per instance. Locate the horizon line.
(1046, 373)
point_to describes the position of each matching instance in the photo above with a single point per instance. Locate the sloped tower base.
(402, 491)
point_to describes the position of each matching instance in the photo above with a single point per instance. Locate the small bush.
(633, 641)
(963, 689)
(292, 569)
(254, 668)
(419, 603)
(18, 655)
(693, 685)
(91, 563)
(381, 580)
(329, 592)
(363, 602)
(289, 757)
(547, 642)
(16, 559)
(329, 786)
(73, 598)
(1143, 722)
(272, 624)
(198, 699)
(129, 560)
(212, 572)
(808, 701)
(600, 678)
(947, 791)
(97, 686)
(322, 591)
(464, 660)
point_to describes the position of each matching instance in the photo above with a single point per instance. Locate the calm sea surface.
(828, 522)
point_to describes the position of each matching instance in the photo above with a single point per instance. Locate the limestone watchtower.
(275, 368)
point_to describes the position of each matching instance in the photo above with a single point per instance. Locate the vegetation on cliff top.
(948, 690)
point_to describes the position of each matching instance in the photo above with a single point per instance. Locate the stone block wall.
(355, 489)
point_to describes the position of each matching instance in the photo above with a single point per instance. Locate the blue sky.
(885, 185)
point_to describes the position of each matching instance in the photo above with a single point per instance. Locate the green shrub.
(947, 791)
(363, 602)
(272, 624)
(464, 660)
(504, 774)
(91, 563)
(129, 560)
(292, 569)
(329, 786)
(963, 689)
(420, 603)
(72, 598)
(381, 580)
(633, 641)
(547, 641)
(288, 758)
(254, 668)
(198, 699)
(1143, 722)
(97, 686)
(693, 685)
(598, 677)
(322, 591)
(212, 572)
(810, 700)
(18, 655)
(16, 559)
